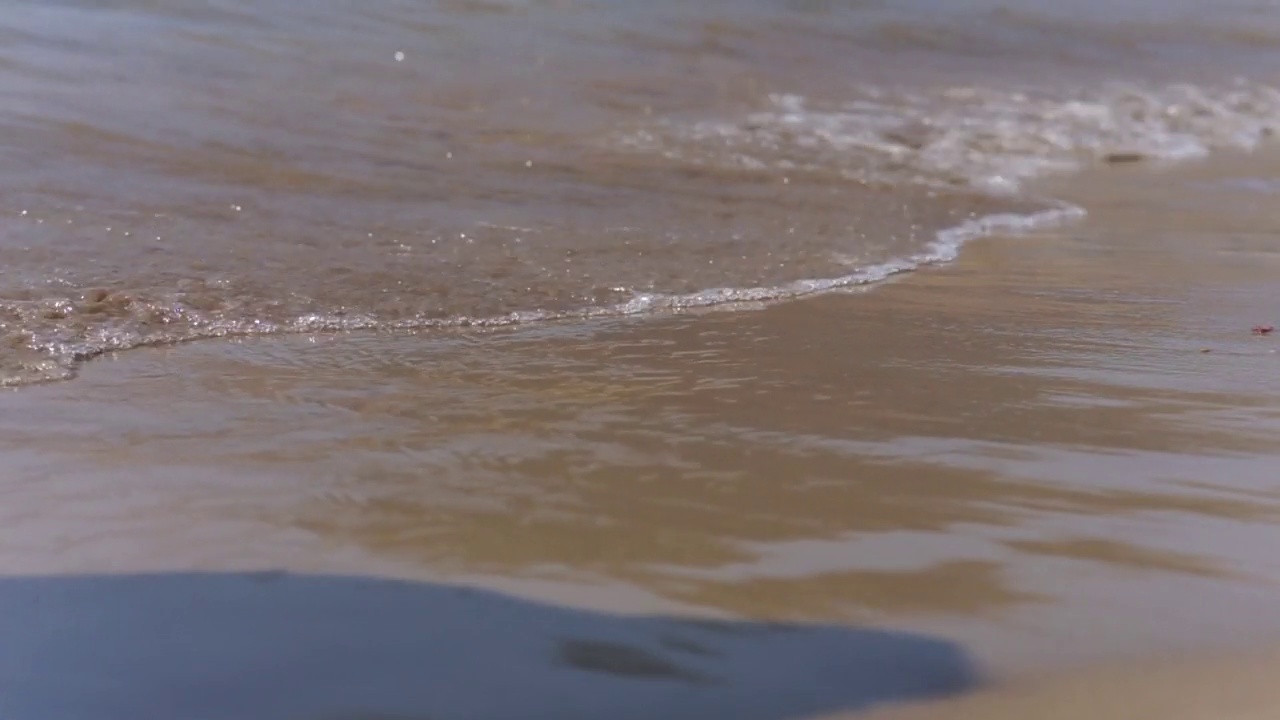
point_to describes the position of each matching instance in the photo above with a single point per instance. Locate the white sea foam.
(983, 138)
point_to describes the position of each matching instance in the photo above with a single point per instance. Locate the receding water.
(176, 170)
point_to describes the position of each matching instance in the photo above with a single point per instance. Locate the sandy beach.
(574, 359)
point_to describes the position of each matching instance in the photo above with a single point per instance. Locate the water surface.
(176, 170)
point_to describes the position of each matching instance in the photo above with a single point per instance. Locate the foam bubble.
(983, 138)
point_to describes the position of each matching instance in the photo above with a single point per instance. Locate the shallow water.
(177, 170)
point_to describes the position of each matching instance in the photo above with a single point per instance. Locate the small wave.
(148, 322)
(945, 248)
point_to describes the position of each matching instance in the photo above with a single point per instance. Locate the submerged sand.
(1055, 453)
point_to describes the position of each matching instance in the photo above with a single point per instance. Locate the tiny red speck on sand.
(1262, 329)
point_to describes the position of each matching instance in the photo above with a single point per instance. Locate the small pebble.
(1122, 158)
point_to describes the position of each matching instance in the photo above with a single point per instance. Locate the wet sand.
(1240, 687)
(1056, 452)
(1225, 283)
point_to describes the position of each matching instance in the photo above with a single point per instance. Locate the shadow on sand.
(277, 646)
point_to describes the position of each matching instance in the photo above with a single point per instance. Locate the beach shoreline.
(744, 360)
(1054, 452)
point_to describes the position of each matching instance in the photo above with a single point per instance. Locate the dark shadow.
(250, 646)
